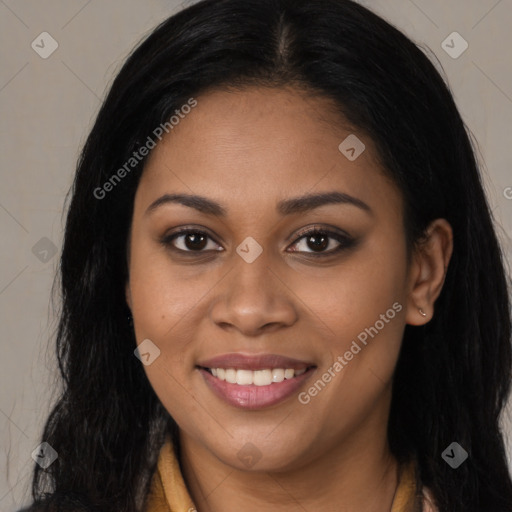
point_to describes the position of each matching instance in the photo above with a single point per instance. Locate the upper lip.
(254, 362)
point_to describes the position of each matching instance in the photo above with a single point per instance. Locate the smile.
(252, 381)
(257, 378)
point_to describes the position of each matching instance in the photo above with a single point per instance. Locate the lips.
(254, 381)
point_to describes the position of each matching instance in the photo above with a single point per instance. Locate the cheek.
(163, 299)
(162, 293)
(360, 359)
(348, 298)
(363, 305)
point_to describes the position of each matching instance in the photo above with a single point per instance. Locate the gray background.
(48, 106)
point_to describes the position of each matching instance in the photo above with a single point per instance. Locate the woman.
(279, 212)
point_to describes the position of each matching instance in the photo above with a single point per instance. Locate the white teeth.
(262, 377)
(288, 374)
(277, 375)
(230, 376)
(257, 377)
(244, 377)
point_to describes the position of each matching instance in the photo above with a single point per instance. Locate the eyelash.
(345, 241)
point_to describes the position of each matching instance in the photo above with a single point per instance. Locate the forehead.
(257, 144)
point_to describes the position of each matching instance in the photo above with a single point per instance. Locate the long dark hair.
(453, 374)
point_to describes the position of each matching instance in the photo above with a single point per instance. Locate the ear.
(428, 271)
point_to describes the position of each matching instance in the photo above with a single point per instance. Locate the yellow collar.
(168, 492)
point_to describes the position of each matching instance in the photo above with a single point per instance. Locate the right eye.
(188, 240)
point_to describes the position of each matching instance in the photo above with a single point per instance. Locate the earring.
(422, 313)
(130, 320)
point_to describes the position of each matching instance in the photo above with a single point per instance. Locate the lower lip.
(254, 397)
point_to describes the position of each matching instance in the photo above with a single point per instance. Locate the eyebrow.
(284, 207)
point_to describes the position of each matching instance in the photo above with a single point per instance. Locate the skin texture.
(248, 150)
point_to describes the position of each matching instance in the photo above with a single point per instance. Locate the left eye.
(318, 240)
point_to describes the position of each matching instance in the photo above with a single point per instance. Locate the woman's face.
(250, 293)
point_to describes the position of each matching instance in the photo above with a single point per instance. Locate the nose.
(254, 298)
